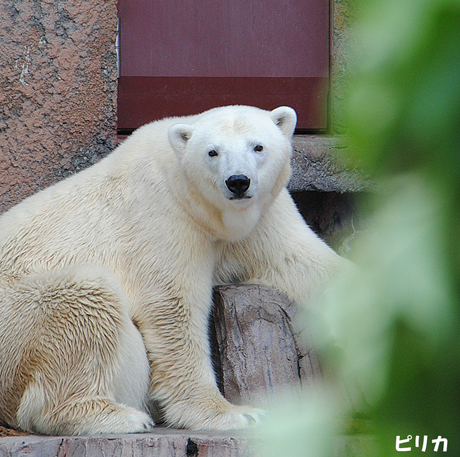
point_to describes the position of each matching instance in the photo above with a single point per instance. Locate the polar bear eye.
(258, 148)
(213, 153)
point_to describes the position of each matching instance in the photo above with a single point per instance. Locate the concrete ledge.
(320, 163)
(160, 443)
(163, 443)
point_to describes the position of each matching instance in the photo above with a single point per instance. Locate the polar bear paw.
(90, 416)
(239, 417)
(234, 418)
(117, 419)
(136, 422)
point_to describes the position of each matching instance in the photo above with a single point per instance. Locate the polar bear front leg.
(182, 378)
(282, 252)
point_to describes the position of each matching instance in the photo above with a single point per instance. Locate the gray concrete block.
(320, 163)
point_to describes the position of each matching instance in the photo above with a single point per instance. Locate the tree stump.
(257, 349)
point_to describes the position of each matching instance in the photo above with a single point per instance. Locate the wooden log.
(257, 349)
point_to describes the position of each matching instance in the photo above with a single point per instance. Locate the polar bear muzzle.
(238, 185)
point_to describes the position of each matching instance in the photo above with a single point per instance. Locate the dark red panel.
(185, 56)
(221, 38)
(143, 99)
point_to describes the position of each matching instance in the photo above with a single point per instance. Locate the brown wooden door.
(181, 57)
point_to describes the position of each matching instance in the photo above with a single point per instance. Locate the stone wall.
(58, 95)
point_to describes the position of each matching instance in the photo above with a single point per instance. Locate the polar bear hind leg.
(86, 364)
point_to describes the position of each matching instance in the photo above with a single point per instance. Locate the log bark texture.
(257, 348)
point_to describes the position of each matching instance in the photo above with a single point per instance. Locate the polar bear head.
(236, 156)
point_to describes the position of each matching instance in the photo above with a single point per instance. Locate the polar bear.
(106, 277)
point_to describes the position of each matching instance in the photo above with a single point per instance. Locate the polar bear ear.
(285, 118)
(178, 135)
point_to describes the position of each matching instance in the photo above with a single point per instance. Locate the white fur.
(142, 237)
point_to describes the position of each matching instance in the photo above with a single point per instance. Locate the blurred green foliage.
(391, 329)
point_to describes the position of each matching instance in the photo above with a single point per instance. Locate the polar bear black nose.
(238, 184)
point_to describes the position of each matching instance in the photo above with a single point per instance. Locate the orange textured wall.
(58, 91)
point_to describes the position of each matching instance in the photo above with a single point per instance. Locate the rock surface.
(59, 91)
(319, 163)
